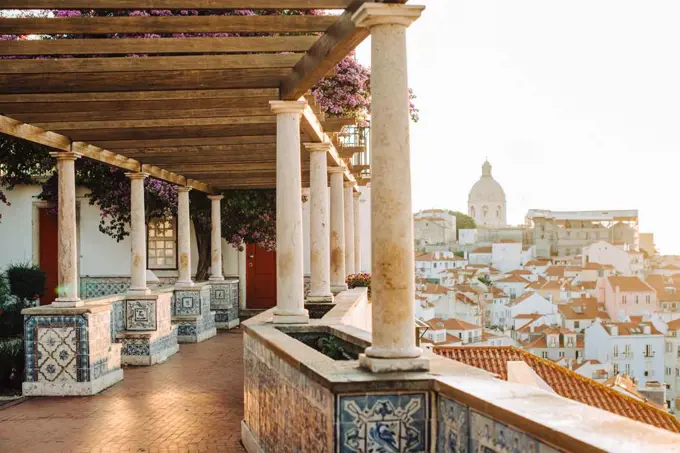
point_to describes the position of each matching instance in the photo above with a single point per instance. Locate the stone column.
(357, 232)
(393, 269)
(348, 201)
(216, 274)
(184, 236)
(67, 251)
(137, 234)
(320, 241)
(337, 231)
(242, 270)
(290, 288)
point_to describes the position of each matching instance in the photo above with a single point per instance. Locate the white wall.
(16, 225)
(506, 257)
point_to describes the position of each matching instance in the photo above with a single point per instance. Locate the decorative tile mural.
(57, 349)
(383, 423)
(187, 302)
(453, 426)
(224, 301)
(491, 436)
(143, 347)
(140, 315)
(117, 319)
(92, 287)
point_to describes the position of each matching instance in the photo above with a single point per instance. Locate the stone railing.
(297, 398)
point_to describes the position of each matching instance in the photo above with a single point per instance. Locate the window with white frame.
(669, 347)
(628, 369)
(544, 354)
(162, 244)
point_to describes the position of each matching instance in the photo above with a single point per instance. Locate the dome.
(487, 189)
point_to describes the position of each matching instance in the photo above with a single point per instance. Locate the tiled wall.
(224, 300)
(285, 410)
(93, 287)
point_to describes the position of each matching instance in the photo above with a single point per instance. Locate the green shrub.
(12, 361)
(26, 281)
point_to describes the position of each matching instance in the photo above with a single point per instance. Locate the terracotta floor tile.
(192, 402)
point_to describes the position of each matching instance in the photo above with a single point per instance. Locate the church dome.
(487, 189)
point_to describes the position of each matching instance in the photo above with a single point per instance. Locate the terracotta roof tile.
(629, 284)
(512, 279)
(555, 271)
(583, 308)
(451, 324)
(565, 382)
(482, 250)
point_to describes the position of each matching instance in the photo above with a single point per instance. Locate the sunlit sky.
(576, 104)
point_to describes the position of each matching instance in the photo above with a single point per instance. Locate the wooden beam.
(270, 93)
(200, 141)
(155, 24)
(161, 123)
(184, 132)
(125, 64)
(157, 45)
(15, 128)
(165, 80)
(176, 4)
(340, 39)
(218, 152)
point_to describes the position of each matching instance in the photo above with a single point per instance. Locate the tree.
(463, 222)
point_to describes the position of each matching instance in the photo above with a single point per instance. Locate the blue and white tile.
(453, 426)
(488, 436)
(187, 303)
(140, 315)
(383, 423)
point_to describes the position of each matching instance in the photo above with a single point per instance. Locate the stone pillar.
(216, 272)
(357, 232)
(337, 231)
(320, 241)
(348, 201)
(242, 270)
(290, 289)
(137, 234)
(184, 236)
(67, 251)
(393, 269)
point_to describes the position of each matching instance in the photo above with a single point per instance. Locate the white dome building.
(486, 203)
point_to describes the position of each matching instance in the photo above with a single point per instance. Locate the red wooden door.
(260, 277)
(48, 236)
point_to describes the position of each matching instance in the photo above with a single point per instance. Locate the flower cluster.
(362, 280)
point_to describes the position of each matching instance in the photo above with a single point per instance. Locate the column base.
(224, 302)
(216, 279)
(65, 388)
(138, 292)
(336, 289)
(320, 299)
(147, 348)
(67, 303)
(302, 318)
(376, 365)
(179, 284)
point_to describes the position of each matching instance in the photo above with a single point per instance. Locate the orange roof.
(542, 341)
(512, 279)
(629, 284)
(451, 324)
(555, 271)
(583, 286)
(552, 284)
(587, 362)
(449, 339)
(674, 325)
(433, 288)
(527, 316)
(666, 290)
(522, 298)
(463, 298)
(538, 262)
(563, 381)
(635, 327)
(583, 308)
(482, 250)
(521, 272)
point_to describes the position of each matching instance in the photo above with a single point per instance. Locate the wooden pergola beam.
(137, 95)
(176, 4)
(198, 141)
(155, 24)
(160, 123)
(157, 45)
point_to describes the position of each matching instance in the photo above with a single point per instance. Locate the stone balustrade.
(452, 407)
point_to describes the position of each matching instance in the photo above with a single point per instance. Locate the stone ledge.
(249, 441)
(51, 310)
(72, 388)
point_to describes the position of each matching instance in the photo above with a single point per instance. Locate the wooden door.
(48, 236)
(260, 277)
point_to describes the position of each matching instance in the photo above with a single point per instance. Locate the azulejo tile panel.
(117, 319)
(453, 426)
(56, 349)
(187, 303)
(140, 315)
(491, 436)
(383, 423)
(91, 287)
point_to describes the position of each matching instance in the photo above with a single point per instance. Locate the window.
(648, 299)
(637, 299)
(648, 351)
(669, 347)
(677, 372)
(162, 244)
(628, 351)
(628, 369)
(561, 354)
(544, 354)
(616, 368)
(668, 371)
(576, 324)
(485, 211)
(624, 299)
(498, 213)
(616, 350)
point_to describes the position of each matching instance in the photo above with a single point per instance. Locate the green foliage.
(463, 222)
(26, 281)
(331, 346)
(459, 254)
(12, 361)
(485, 280)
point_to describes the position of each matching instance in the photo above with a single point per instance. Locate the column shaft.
(67, 252)
(184, 236)
(337, 232)
(320, 242)
(393, 267)
(290, 294)
(357, 233)
(348, 202)
(137, 234)
(216, 272)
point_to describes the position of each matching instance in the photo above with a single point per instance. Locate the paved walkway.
(191, 403)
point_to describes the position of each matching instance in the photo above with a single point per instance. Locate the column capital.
(356, 195)
(137, 175)
(340, 170)
(288, 106)
(65, 155)
(215, 197)
(372, 14)
(183, 189)
(324, 147)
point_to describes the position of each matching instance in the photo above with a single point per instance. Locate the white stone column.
(138, 284)
(184, 237)
(348, 201)
(337, 231)
(290, 288)
(357, 232)
(67, 250)
(320, 240)
(393, 269)
(216, 271)
(242, 271)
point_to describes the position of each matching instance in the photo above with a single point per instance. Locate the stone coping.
(546, 416)
(61, 311)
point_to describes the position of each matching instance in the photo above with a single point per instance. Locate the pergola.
(216, 113)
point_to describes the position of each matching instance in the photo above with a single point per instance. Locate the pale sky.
(576, 104)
